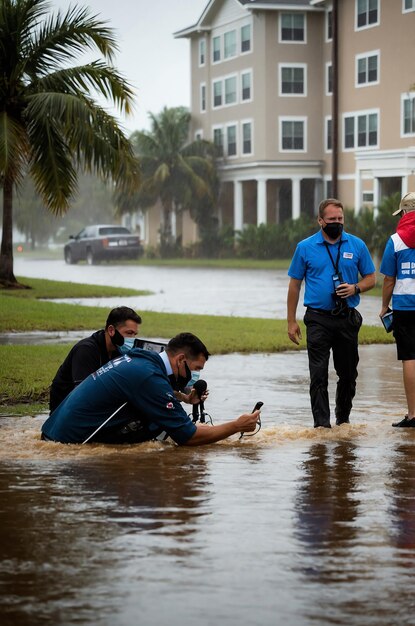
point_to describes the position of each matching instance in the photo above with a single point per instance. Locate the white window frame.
(203, 99)
(226, 78)
(292, 118)
(225, 134)
(242, 100)
(281, 67)
(406, 10)
(199, 134)
(291, 41)
(409, 95)
(368, 200)
(250, 38)
(367, 55)
(220, 82)
(327, 121)
(243, 123)
(219, 37)
(202, 43)
(219, 127)
(329, 66)
(230, 56)
(355, 115)
(364, 26)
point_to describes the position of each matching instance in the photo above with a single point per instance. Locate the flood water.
(294, 526)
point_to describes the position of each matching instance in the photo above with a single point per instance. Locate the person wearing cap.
(398, 268)
(91, 353)
(330, 262)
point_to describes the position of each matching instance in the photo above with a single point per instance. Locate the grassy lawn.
(26, 370)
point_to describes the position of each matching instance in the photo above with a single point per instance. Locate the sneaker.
(339, 421)
(405, 423)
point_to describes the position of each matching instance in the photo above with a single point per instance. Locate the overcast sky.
(155, 63)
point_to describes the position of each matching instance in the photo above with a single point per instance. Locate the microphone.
(200, 387)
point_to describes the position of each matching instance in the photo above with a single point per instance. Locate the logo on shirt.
(347, 255)
(169, 405)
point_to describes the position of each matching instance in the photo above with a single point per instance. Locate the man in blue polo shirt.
(398, 266)
(131, 399)
(330, 262)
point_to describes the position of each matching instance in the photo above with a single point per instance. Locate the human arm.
(191, 397)
(86, 359)
(387, 290)
(294, 331)
(345, 290)
(205, 434)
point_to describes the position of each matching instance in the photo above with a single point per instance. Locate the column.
(376, 196)
(357, 192)
(261, 201)
(238, 206)
(296, 197)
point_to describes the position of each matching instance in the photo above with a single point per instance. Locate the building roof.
(265, 5)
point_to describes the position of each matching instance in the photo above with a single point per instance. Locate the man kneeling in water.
(131, 399)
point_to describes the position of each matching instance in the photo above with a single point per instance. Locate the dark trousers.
(326, 332)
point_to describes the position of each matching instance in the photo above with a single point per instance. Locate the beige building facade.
(262, 90)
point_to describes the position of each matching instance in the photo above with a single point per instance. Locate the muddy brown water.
(294, 526)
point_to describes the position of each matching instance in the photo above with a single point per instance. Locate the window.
(361, 130)
(408, 114)
(293, 134)
(292, 80)
(203, 97)
(329, 135)
(202, 51)
(229, 48)
(368, 196)
(367, 69)
(218, 140)
(329, 79)
(217, 93)
(292, 27)
(216, 49)
(199, 135)
(231, 140)
(367, 13)
(246, 138)
(230, 90)
(408, 5)
(329, 25)
(246, 38)
(246, 79)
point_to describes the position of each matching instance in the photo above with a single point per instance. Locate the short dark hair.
(121, 314)
(325, 203)
(189, 344)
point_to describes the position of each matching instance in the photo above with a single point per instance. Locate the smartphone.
(257, 406)
(387, 320)
(337, 280)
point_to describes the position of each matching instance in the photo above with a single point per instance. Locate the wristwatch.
(356, 289)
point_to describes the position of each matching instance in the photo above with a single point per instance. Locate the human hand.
(345, 290)
(384, 309)
(248, 421)
(294, 332)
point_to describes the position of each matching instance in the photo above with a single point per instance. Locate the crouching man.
(131, 399)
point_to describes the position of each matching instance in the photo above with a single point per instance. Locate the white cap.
(407, 203)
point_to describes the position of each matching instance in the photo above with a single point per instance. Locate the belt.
(320, 311)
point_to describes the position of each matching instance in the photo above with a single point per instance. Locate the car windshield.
(114, 230)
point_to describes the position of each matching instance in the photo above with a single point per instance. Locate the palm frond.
(14, 147)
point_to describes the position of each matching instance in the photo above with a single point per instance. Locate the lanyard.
(335, 265)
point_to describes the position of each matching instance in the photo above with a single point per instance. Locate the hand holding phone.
(387, 320)
(257, 406)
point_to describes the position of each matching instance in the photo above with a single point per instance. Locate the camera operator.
(330, 263)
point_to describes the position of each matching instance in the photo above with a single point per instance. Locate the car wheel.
(69, 257)
(90, 257)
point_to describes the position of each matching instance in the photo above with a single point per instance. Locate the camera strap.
(335, 265)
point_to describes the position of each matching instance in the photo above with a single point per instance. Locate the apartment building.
(262, 90)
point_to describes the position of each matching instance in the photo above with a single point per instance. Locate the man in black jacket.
(93, 352)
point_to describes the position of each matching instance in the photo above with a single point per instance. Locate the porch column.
(376, 194)
(238, 205)
(261, 201)
(357, 192)
(296, 197)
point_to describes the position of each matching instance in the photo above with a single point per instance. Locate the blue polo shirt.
(311, 262)
(138, 378)
(399, 261)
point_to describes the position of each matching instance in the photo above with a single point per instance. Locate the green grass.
(26, 371)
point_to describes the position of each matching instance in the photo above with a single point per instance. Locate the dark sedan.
(102, 242)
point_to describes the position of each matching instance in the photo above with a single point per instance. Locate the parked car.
(102, 242)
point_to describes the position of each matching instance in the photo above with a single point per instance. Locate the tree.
(179, 173)
(50, 123)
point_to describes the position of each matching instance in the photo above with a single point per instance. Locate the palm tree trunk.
(6, 252)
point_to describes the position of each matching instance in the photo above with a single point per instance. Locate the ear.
(111, 330)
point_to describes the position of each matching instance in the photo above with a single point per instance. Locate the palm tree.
(50, 124)
(178, 173)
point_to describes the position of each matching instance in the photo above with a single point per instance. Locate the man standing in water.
(398, 267)
(330, 263)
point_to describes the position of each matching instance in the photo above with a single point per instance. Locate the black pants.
(326, 332)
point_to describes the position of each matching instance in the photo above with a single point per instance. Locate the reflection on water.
(294, 526)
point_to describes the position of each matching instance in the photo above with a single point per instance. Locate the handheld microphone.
(200, 387)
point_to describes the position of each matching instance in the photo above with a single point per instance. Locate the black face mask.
(117, 339)
(333, 230)
(181, 382)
